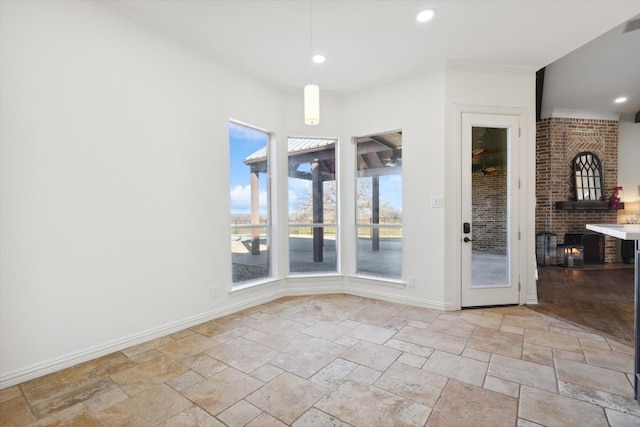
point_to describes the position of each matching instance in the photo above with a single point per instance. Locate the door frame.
(520, 209)
(508, 291)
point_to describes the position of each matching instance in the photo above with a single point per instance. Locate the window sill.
(378, 280)
(307, 276)
(249, 286)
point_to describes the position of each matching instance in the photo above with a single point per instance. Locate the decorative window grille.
(587, 173)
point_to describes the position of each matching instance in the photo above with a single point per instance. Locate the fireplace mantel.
(586, 205)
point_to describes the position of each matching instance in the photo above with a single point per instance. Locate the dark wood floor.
(596, 298)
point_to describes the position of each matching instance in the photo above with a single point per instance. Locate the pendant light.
(311, 91)
(311, 104)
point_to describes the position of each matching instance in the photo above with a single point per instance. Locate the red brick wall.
(489, 212)
(558, 141)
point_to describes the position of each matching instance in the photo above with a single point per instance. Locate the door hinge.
(519, 235)
(519, 286)
(519, 132)
(519, 184)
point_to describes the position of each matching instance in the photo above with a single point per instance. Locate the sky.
(244, 141)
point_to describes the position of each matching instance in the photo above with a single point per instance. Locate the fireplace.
(561, 208)
(592, 246)
(578, 249)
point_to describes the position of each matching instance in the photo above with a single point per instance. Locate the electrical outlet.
(411, 282)
(214, 292)
(436, 202)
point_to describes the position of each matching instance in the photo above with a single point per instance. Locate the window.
(587, 174)
(379, 205)
(313, 200)
(250, 219)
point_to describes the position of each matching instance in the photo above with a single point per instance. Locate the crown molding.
(579, 114)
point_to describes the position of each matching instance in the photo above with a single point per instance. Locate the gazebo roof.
(377, 155)
(297, 146)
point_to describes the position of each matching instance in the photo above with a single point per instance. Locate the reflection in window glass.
(249, 193)
(313, 201)
(379, 205)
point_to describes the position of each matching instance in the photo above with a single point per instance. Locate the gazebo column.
(318, 210)
(375, 212)
(255, 213)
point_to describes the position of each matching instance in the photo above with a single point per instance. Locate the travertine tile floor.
(339, 360)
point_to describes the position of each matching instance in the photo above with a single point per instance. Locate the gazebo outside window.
(313, 196)
(379, 205)
(250, 219)
(313, 205)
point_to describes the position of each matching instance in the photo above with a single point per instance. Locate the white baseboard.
(399, 299)
(37, 370)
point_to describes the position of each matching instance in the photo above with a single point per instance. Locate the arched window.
(587, 174)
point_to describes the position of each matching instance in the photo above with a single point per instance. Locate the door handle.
(467, 240)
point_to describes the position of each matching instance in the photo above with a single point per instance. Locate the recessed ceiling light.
(425, 15)
(620, 100)
(318, 59)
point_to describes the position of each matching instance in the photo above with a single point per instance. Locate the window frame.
(376, 227)
(315, 225)
(267, 226)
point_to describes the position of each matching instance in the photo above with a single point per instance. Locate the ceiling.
(592, 76)
(368, 43)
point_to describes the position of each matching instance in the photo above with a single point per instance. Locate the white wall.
(629, 160)
(114, 180)
(414, 106)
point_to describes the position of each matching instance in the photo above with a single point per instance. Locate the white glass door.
(489, 224)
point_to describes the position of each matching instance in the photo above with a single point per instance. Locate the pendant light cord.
(311, 36)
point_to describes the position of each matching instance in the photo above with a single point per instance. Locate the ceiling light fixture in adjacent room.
(426, 15)
(311, 91)
(318, 59)
(620, 100)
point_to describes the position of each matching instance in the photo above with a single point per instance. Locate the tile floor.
(340, 360)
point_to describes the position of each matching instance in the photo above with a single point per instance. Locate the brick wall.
(489, 212)
(558, 141)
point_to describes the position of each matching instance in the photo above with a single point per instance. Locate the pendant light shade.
(311, 104)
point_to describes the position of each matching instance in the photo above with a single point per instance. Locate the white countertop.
(621, 231)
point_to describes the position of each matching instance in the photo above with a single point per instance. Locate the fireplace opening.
(583, 249)
(592, 244)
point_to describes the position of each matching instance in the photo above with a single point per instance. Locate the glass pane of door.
(489, 207)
